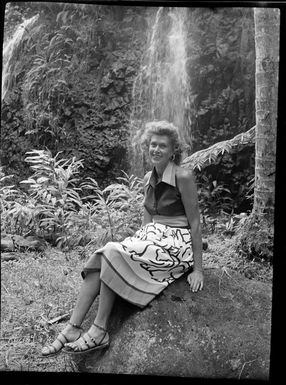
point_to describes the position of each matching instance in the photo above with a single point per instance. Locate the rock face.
(220, 332)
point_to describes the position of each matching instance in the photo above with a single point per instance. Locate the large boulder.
(221, 332)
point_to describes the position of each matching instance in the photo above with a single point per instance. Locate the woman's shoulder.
(183, 174)
(185, 180)
(147, 176)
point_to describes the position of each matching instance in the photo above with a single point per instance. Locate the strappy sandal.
(96, 345)
(62, 339)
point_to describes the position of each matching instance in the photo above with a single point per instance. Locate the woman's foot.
(70, 333)
(94, 339)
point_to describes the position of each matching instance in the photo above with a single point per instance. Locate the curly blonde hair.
(165, 128)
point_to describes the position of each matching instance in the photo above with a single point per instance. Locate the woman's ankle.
(73, 326)
(101, 326)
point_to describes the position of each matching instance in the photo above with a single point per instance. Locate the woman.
(140, 267)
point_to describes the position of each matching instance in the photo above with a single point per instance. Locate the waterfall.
(9, 49)
(161, 89)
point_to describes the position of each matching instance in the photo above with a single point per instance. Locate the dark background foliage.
(71, 90)
(222, 67)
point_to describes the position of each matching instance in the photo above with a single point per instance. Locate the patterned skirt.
(141, 266)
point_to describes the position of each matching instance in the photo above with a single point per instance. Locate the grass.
(40, 287)
(36, 289)
(221, 253)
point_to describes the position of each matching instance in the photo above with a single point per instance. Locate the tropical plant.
(129, 195)
(213, 197)
(7, 192)
(82, 227)
(210, 155)
(233, 223)
(54, 209)
(53, 190)
(103, 203)
(9, 197)
(118, 206)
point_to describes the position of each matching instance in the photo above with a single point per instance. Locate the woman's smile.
(160, 150)
(156, 156)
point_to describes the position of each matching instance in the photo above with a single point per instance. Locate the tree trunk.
(267, 22)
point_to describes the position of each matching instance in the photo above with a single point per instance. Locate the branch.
(203, 158)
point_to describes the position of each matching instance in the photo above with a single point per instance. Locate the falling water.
(161, 89)
(9, 49)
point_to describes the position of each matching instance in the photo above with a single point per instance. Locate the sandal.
(62, 339)
(95, 345)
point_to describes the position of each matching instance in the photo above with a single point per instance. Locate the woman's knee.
(93, 265)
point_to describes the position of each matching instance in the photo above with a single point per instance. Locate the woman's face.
(160, 150)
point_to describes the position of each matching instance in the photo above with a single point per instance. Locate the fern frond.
(210, 155)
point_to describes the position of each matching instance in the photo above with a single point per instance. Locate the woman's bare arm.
(147, 218)
(188, 190)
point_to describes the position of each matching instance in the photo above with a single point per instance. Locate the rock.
(32, 242)
(6, 243)
(222, 331)
(17, 242)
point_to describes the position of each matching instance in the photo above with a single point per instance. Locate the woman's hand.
(196, 280)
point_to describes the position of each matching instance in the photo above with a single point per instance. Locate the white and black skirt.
(141, 266)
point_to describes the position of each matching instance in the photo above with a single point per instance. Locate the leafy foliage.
(221, 65)
(75, 82)
(203, 158)
(66, 212)
(50, 199)
(7, 192)
(14, 142)
(52, 178)
(8, 201)
(119, 205)
(14, 15)
(222, 163)
(52, 190)
(129, 197)
(214, 198)
(108, 214)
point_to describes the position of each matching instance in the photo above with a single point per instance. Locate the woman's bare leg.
(106, 301)
(88, 292)
(99, 336)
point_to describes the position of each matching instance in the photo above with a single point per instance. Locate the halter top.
(163, 198)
